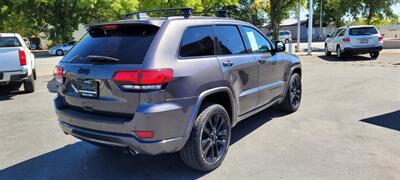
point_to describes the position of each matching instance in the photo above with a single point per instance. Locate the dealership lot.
(348, 126)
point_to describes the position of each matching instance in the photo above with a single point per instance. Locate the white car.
(354, 40)
(17, 63)
(62, 49)
(284, 36)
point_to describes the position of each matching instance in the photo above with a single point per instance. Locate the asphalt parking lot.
(347, 127)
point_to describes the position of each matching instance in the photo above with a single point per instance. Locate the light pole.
(320, 21)
(298, 26)
(310, 26)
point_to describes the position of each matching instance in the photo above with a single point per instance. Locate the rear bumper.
(122, 140)
(169, 121)
(13, 76)
(362, 50)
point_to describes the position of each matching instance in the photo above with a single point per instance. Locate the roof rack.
(187, 12)
(218, 13)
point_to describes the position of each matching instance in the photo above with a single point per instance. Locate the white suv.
(354, 40)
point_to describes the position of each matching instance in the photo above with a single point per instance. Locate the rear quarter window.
(362, 31)
(197, 41)
(9, 42)
(128, 43)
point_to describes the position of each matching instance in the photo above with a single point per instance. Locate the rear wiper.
(101, 59)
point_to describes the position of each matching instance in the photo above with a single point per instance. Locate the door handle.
(262, 61)
(228, 63)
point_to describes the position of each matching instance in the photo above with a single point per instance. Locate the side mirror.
(280, 46)
(328, 36)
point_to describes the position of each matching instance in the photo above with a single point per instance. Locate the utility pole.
(310, 26)
(298, 25)
(320, 22)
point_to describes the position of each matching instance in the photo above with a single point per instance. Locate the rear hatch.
(364, 37)
(90, 66)
(9, 54)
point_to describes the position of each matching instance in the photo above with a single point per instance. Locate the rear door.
(9, 54)
(90, 66)
(364, 37)
(240, 69)
(269, 79)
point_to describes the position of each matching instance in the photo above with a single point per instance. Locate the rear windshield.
(363, 31)
(9, 42)
(127, 43)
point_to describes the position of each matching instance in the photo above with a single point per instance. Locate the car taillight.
(380, 38)
(152, 79)
(22, 57)
(346, 39)
(59, 74)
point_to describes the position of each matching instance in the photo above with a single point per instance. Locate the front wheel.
(59, 52)
(293, 95)
(374, 55)
(209, 140)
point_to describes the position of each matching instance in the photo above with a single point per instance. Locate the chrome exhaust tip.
(132, 151)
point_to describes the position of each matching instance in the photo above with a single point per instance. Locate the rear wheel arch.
(222, 98)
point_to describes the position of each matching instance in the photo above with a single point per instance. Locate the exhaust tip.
(132, 151)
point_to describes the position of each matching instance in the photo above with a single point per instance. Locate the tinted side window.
(258, 43)
(229, 40)
(197, 41)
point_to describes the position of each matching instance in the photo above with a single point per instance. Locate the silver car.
(284, 36)
(354, 40)
(62, 49)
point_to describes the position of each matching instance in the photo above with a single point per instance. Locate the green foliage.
(375, 12)
(278, 10)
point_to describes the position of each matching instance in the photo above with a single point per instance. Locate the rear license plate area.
(364, 41)
(88, 88)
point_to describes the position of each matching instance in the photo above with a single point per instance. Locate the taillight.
(152, 79)
(144, 134)
(380, 38)
(346, 39)
(22, 57)
(59, 74)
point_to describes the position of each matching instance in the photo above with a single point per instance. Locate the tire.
(339, 53)
(34, 74)
(292, 100)
(29, 85)
(59, 52)
(374, 55)
(199, 151)
(327, 52)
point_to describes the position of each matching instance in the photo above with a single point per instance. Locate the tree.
(252, 11)
(372, 11)
(278, 10)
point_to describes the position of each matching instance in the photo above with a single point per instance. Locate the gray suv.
(172, 84)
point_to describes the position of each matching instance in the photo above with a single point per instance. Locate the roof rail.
(187, 12)
(218, 13)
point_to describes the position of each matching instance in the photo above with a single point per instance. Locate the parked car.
(17, 63)
(353, 40)
(284, 36)
(178, 84)
(62, 49)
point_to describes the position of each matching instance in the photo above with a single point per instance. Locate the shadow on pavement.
(345, 59)
(7, 93)
(388, 120)
(82, 160)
